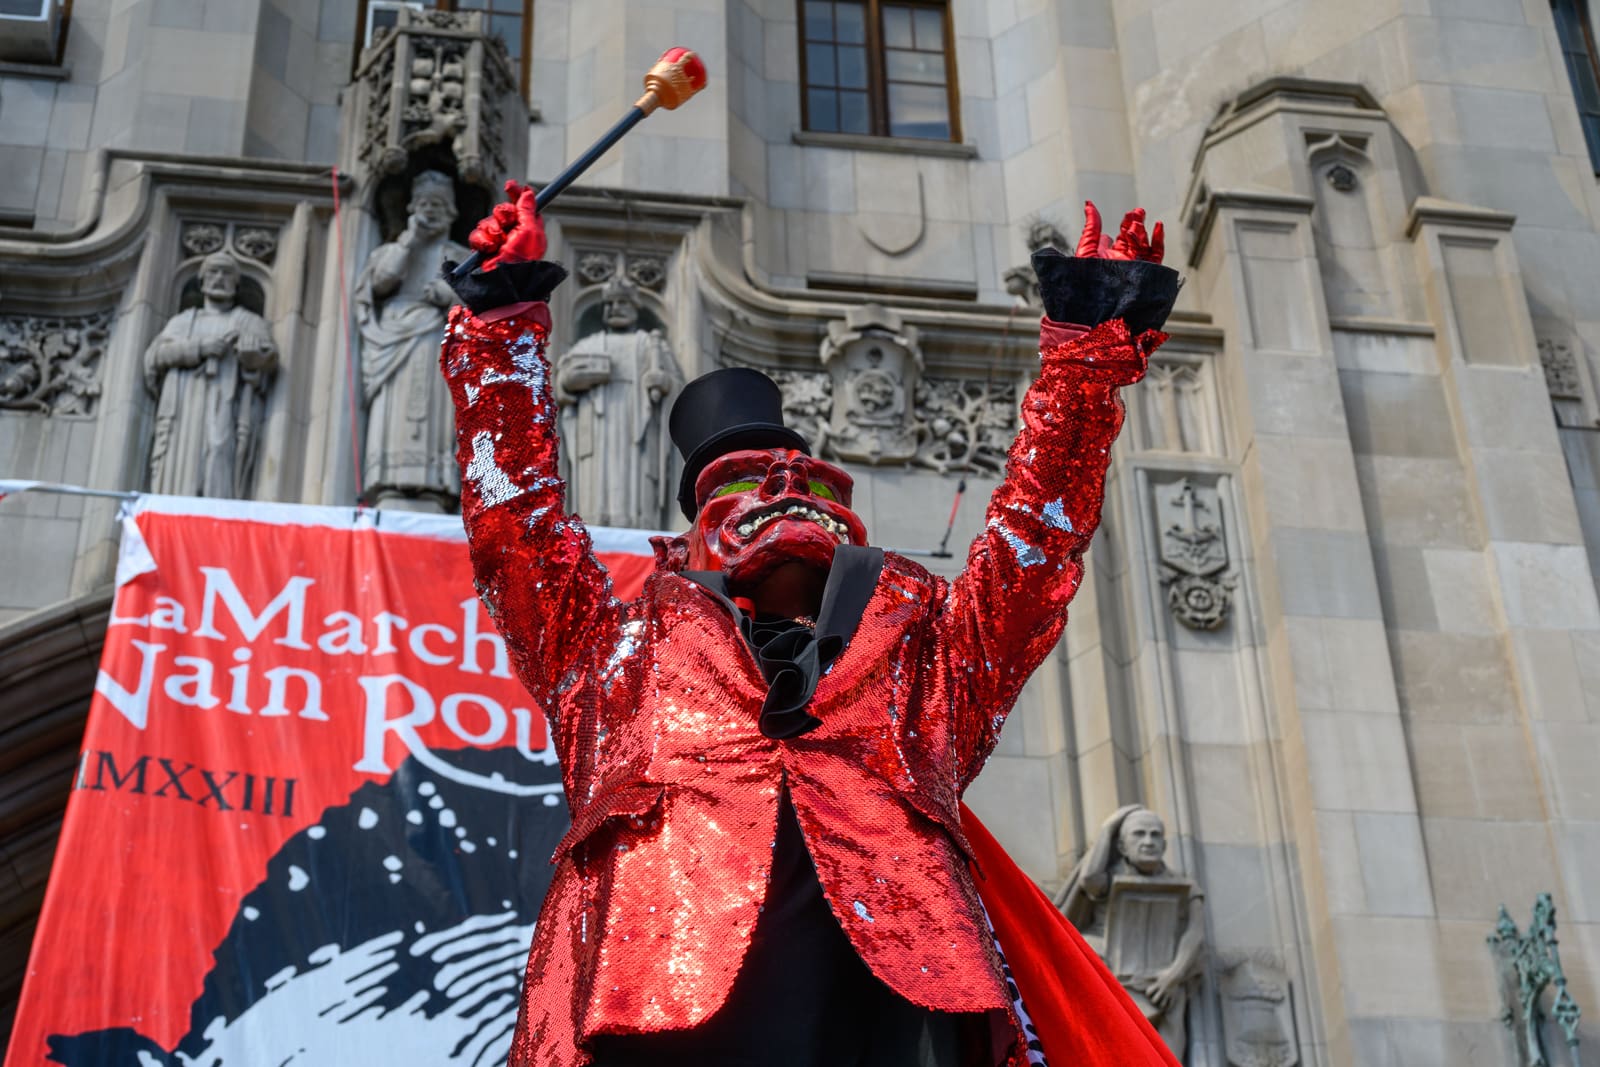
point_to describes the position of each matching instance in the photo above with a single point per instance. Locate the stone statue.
(209, 369)
(409, 461)
(613, 387)
(1143, 918)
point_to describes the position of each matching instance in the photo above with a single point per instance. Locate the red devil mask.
(762, 508)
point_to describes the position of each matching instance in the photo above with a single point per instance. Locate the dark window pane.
(819, 20)
(1591, 130)
(1568, 27)
(819, 65)
(854, 114)
(472, 5)
(925, 67)
(1584, 87)
(897, 27)
(930, 28)
(385, 18)
(822, 110)
(509, 30)
(852, 66)
(850, 23)
(919, 111)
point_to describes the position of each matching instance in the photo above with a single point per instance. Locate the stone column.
(1350, 809)
(1534, 815)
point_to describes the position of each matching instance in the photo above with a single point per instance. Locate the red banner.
(312, 815)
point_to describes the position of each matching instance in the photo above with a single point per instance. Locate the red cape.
(1082, 1016)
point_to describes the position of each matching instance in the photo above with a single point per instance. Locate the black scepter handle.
(676, 76)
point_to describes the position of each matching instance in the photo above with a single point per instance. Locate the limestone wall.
(1340, 626)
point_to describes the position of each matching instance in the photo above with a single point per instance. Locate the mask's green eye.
(818, 489)
(735, 487)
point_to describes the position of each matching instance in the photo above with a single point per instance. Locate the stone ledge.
(1432, 210)
(59, 72)
(901, 146)
(888, 285)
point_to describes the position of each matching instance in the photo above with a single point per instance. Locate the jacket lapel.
(852, 580)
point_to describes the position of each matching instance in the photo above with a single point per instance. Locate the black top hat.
(728, 410)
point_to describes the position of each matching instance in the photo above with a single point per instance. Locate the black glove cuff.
(510, 283)
(1088, 292)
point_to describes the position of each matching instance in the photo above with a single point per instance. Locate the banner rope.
(349, 362)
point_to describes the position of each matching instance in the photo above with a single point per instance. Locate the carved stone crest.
(51, 364)
(875, 362)
(1194, 554)
(1257, 1017)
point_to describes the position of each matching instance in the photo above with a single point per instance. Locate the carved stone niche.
(875, 362)
(1257, 1015)
(438, 92)
(1177, 407)
(1194, 553)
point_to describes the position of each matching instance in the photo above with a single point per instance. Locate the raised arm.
(535, 568)
(1007, 609)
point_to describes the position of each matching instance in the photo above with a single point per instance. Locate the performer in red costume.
(764, 753)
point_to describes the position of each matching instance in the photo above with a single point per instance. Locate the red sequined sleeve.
(535, 568)
(1006, 611)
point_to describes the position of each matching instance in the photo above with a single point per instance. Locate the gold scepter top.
(676, 76)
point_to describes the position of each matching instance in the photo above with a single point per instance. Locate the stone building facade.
(1341, 628)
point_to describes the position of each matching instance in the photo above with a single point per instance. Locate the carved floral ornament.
(51, 364)
(248, 240)
(647, 270)
(1194, 554)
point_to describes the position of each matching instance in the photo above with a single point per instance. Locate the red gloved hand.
(1131, 242)
(512, 232)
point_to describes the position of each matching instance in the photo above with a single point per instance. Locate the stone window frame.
(56, 68)
(495, 9)
(1581, 56)
(878, 81)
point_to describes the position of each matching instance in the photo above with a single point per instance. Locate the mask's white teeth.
(746, 530)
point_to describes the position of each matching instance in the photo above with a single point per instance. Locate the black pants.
(803, 998)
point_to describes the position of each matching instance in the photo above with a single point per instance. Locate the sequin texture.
(654, 708)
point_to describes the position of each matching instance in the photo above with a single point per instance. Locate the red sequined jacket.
(653, 706)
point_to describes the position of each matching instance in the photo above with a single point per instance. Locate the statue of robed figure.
(400, 305)
(209, 369)
(612, 387)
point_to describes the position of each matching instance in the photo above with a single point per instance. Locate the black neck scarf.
(793, 655)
